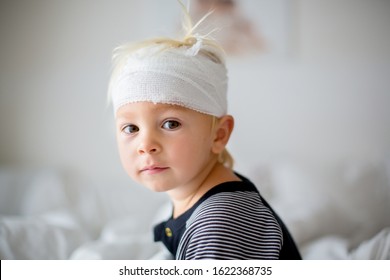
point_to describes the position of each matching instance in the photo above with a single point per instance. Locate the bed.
(334, 211)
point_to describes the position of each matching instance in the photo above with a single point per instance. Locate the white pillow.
(301, 197)
(314, 200)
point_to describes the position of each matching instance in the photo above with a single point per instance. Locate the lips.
(153, 169)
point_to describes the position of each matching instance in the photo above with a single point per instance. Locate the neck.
(189, 195)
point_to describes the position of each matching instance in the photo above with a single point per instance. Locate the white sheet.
(337, 248)
(51, 236)
(339, 212)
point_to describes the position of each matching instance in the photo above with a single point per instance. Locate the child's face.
(164, 147)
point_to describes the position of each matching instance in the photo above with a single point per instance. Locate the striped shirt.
(231, 221)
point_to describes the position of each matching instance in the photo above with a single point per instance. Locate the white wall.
(327, 100)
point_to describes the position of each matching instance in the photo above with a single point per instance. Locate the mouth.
(153, 169)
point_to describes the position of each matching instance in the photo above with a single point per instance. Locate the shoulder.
(243, 210)
(232, 204)
(232, 225)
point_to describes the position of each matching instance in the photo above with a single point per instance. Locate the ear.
(222, 131)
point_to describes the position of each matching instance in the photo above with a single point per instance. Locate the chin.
(158, 189)
(157, 186)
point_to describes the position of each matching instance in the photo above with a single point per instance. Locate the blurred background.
(309, 89)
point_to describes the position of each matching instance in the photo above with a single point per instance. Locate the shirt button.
(168, 232)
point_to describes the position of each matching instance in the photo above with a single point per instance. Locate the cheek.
(126, 157)
(190, 149)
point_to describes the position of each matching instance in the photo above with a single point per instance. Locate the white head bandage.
(179, 76)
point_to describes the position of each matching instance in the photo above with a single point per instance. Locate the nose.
(149, 144)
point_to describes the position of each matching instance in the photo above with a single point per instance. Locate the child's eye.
(171, 125)
(130, 129)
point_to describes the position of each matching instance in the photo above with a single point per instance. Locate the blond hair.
(210, 49)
